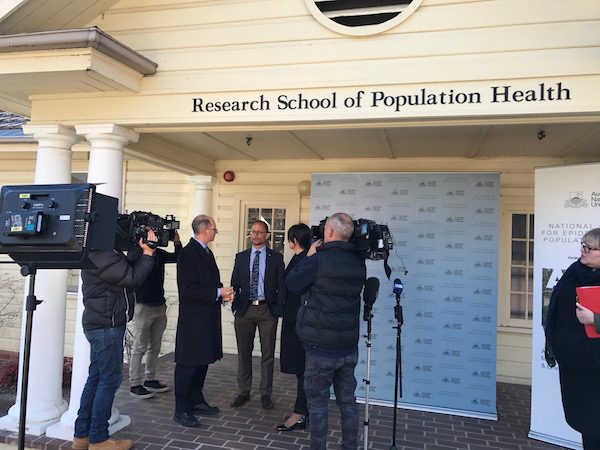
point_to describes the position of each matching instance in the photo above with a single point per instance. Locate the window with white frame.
(521, 266)
(275, 218)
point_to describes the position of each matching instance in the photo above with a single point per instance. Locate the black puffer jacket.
(329, 315)
(105, 297)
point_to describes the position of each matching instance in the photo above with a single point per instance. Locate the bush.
(9, 373)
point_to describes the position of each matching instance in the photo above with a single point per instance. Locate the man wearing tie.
(198, 342)
(258, 281)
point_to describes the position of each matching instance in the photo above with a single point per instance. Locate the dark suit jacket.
(199, 339)
(275, 290)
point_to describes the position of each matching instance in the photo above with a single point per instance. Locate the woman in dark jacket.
(292, 352)
(577, 355)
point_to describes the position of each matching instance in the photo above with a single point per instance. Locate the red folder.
(589, 296)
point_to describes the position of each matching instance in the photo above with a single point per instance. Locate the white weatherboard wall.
(445, 229)
(567, 205)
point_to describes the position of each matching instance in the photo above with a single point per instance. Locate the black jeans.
(320, 373)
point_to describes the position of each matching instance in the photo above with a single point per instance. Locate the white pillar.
(45, 402)
(107, 142)
(203, 191)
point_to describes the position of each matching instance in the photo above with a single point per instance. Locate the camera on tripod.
(131, 227)
(372, 240)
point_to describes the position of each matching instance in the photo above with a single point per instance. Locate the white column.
(107, 142)
(203, 191)
(45, 402)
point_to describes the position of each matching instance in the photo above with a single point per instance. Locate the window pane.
(252, 216)
(517, 306)
(279, 222)
(278, 241)
(531, 252)
(519, 226)
(530, 306)
(517, 279)
(267, 216)
(531, 229)
(518, 253)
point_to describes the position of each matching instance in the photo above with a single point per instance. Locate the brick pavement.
(252, 428)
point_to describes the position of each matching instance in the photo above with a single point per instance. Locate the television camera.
(133, 226)
(373, 241)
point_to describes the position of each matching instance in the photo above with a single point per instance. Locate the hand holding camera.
(148, 244)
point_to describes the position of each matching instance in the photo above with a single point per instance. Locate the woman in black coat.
(292, 351)
(578, 356)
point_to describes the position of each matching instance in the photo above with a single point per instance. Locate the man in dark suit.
(199, 341)
(258, 280)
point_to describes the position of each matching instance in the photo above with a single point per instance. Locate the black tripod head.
(370, 292)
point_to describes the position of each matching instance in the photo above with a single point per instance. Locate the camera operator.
(107, 308)
(331, 278)
(150, 318)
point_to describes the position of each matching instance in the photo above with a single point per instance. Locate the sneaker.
(140, 391)
(155, 386)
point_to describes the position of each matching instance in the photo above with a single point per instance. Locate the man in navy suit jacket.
(258, 307)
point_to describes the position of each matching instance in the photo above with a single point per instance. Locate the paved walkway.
(252, 428)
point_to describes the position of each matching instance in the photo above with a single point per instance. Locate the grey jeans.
(320, 373)
(150, 323)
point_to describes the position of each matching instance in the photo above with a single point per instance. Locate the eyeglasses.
(214, 229)
(254, 232)
(586, 248)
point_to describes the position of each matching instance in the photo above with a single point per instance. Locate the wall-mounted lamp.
(541, 135)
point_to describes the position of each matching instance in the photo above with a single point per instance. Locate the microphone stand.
(367, 316)
(398, 376)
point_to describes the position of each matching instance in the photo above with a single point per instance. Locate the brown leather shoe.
(80, 443)
(112, 444)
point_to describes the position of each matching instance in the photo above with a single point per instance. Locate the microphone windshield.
(398, 286)
(371, 290)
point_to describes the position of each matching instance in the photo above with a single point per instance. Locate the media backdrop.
(445, 229)
(567, 205)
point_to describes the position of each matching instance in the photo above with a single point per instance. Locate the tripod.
(398, 377)
(367, 316)
(30, 306)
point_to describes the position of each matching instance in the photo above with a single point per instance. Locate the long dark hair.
(301, 233)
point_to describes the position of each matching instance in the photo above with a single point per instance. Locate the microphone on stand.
(370, 292)
(398, 288)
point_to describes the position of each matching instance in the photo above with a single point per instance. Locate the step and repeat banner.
(445, 230)
(567, 205)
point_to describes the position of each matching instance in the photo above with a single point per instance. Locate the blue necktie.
(254, 276)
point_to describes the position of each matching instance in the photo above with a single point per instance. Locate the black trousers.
(301, 406)
(189, 384)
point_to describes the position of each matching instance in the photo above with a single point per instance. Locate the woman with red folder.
(578, 356)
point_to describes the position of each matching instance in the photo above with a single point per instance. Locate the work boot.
(80, 443)
(112, 444)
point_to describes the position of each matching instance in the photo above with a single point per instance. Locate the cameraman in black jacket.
(331, 278)
(108, 305)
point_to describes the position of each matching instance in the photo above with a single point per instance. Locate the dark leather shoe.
(204, 409)
(186, 420)
(266, 401)
(240, 400)
(300, 425)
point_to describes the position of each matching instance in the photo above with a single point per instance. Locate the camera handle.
(398, 376)
(31, 303)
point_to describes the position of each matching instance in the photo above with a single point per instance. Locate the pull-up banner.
(567, 205)
(445, 230)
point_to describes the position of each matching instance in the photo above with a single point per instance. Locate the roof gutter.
(92, 37)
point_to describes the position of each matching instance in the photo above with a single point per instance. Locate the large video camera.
(373, 241)
(131, 227)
